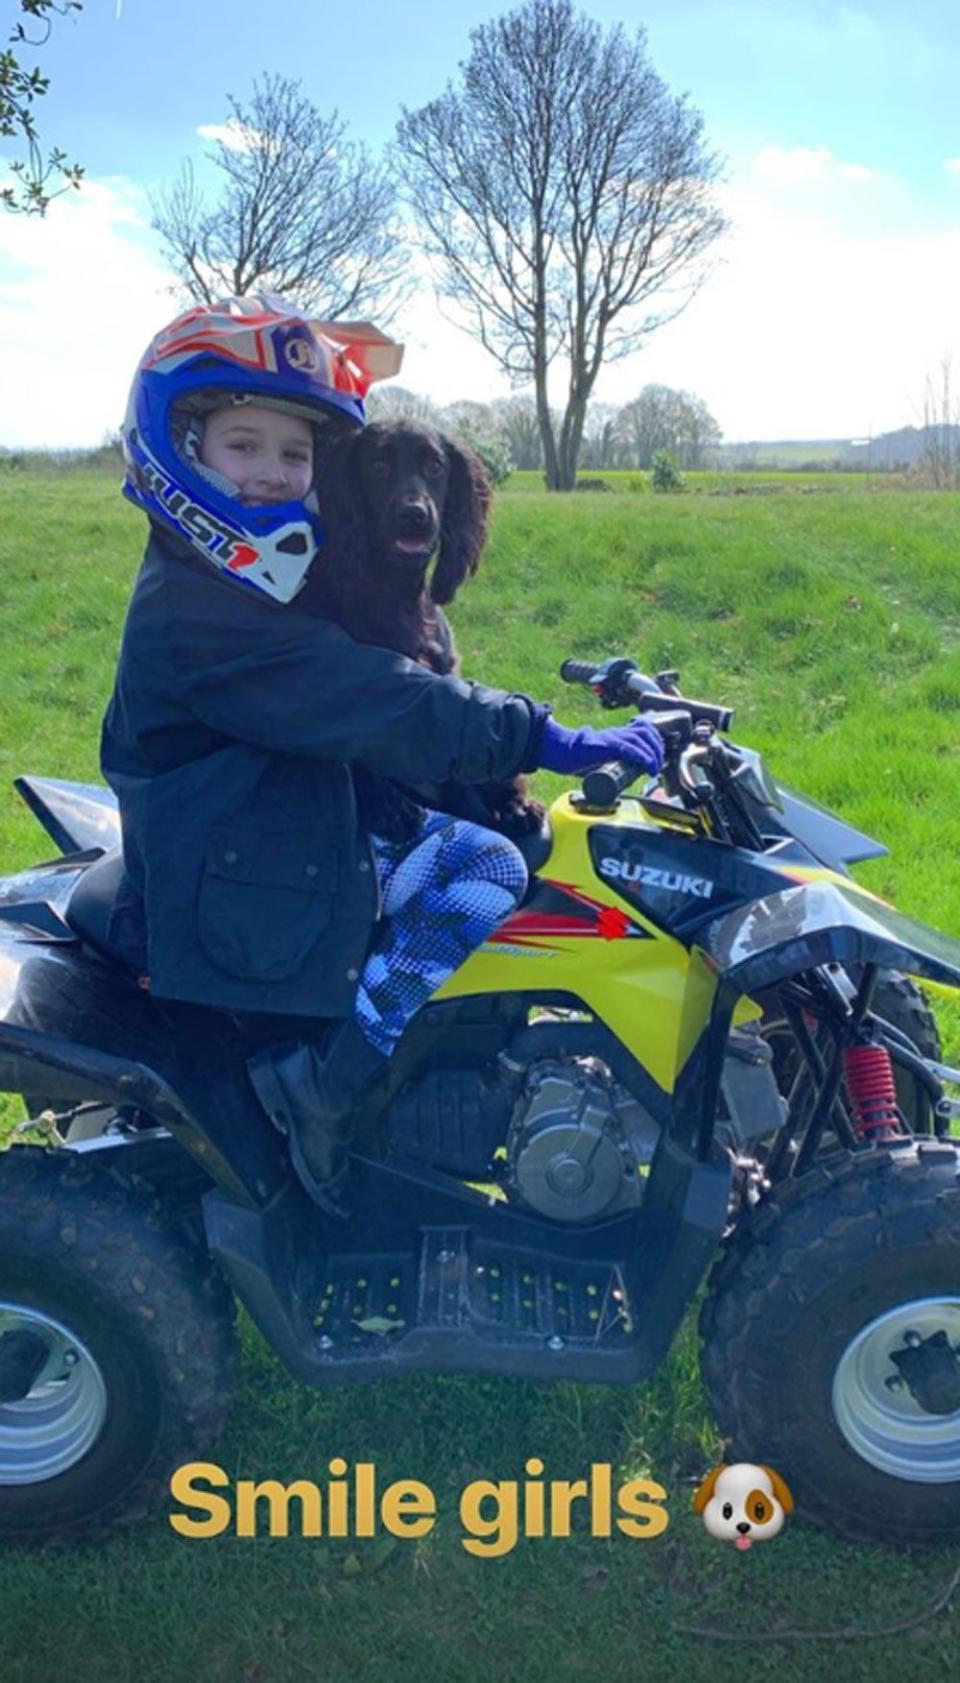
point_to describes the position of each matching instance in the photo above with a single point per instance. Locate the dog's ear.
(337, 486)
(781, 1489)
(703, 1494)
(463, 531)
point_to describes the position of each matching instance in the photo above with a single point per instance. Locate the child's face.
(267, 454)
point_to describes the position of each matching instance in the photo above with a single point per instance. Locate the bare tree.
(661, 418)
(566, 196)
(399, 403)
(302, 211)
(603, 445)
(517, 424)
(19, 89)
(940, 454)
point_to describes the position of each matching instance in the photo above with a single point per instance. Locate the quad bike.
(695, 1035)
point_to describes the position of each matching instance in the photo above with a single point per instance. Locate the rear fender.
(77, 816)
(73, 1031)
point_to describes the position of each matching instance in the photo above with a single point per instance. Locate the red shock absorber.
(872, 1093)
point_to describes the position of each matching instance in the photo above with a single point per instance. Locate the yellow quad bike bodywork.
(653, 990)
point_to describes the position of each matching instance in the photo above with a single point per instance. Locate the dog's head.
(743, 1504)
(394, 495)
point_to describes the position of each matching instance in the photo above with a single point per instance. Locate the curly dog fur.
(395, 498)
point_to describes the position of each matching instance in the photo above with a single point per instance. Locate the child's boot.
(311, 1096)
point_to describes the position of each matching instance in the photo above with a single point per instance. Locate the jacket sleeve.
(295, 684)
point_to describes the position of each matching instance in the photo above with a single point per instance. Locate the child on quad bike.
(237, 719)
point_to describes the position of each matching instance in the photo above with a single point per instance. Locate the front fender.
(764, 943)
(761, 944)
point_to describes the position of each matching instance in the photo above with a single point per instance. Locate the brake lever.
(693, 781)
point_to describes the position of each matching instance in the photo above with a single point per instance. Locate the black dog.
(392, 498)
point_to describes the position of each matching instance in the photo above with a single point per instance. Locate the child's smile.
(267, 454)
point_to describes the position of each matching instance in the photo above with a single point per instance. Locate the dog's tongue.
(742, 1542)
(411, 546)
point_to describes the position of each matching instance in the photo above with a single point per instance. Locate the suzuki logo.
(655, 876)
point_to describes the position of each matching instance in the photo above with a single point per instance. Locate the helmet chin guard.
(257, 348)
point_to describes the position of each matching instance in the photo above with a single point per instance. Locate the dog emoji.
(744, 1503)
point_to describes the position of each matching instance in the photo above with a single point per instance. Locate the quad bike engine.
(577, 1142)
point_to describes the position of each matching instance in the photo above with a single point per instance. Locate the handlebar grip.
(656, 701)
(577, 671)
(605, 783)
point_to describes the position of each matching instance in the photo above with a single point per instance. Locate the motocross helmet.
(257, 350)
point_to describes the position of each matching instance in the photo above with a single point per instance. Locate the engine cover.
(576, 1142)
(455, 1119)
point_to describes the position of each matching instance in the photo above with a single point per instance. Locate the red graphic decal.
(529, 928)
(243, 556)
(612, 923)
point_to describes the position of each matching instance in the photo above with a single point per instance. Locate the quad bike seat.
(90, 904)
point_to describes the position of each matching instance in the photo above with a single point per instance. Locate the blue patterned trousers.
(442, 894)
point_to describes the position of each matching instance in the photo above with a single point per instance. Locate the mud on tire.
(818, 1262)
(84, 1252)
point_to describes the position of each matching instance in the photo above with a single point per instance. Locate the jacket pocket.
(264, 901)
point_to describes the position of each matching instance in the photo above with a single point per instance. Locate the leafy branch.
(20, 88)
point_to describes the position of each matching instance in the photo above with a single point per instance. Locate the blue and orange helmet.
(260, 349)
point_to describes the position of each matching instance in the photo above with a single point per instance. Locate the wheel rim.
(884, 1423)
(52, 1427)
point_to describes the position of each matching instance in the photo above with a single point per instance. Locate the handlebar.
(577, 672)
(603, 786)
(685, 724)
(618, 683)
(701, 772)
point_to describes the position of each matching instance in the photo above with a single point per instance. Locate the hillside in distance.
(902, 448)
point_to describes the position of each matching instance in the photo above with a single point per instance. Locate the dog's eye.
(432, 467)
(379, 467)
(760, 1508)
(728, 1510)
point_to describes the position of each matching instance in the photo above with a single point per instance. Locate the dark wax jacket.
(229, 741)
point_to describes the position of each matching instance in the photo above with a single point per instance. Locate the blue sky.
(835, 294)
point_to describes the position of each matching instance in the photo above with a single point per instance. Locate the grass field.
(730, 482)
(832, 623)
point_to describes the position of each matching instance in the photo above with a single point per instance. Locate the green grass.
(832, 623)
(731, 482)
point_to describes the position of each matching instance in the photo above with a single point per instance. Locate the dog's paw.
(521, 818)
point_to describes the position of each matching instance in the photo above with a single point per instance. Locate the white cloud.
(826, 314)
(236, 137)
(953, 165)
(856, 172)
(819, 323)
(822, 319)
(81, 293)
(796, 164)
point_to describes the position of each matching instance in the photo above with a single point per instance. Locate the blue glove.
(572, 751)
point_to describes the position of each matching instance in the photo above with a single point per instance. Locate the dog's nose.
(744, 1526)
(415, 515)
